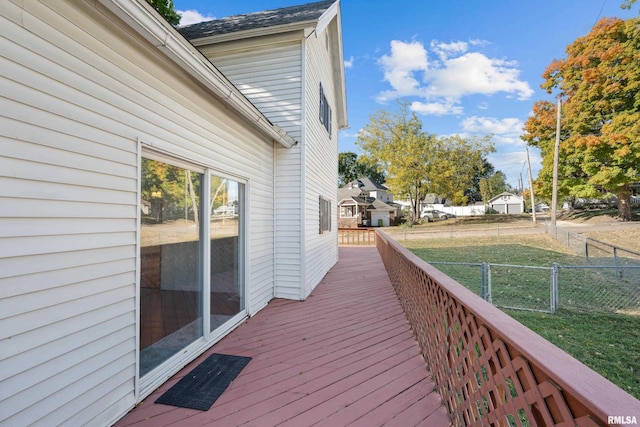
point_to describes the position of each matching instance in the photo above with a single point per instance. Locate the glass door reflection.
(227, 223)
(171, 284)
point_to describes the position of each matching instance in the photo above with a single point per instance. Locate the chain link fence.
(612, 288)
(595, 252)
(605, 288)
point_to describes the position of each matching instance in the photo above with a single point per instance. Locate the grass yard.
(607, 343)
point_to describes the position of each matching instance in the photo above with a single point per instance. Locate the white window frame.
(147, 384)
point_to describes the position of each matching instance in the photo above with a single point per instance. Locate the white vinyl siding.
(270, 77)
(78, 92)
(321, 169)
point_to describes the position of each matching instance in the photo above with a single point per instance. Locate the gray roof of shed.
(250, 21)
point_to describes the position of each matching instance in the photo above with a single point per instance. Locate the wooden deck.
(345, 356)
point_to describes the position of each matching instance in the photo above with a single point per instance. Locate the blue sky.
(467, 67)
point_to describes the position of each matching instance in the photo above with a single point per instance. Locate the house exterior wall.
(281, 74)
(377, 216)
(321, 154)
(269, 73)
(79, 92)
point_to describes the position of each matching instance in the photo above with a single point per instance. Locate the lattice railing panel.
(489, 369)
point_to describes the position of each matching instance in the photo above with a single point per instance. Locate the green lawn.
(608, 343)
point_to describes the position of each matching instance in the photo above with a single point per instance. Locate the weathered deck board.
(345, 356)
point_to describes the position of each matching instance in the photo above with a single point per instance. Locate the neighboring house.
(431, 200)
(119, 140)
(507, 203)
(363, 202)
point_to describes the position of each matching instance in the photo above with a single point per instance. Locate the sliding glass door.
(227, 221)
(177, 267)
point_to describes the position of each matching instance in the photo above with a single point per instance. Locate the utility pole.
(554, 195)
(533, 200)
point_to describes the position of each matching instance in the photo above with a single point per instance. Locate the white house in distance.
(119, 140)
(507, 203)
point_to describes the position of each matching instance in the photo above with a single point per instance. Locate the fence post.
(489, 297)
(615, 262)
(483, 281)
(586, 247)
(554, 288)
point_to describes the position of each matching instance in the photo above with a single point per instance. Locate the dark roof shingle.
(268, 18)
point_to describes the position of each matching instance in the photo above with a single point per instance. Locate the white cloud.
(506, 132)
(350, 134)
(474, 73)
(400, 67)
(436, 108)
(348, 63)
(192, 17)
(444, 50)
(493, 125)
(456, 73)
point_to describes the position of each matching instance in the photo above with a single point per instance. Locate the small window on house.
(325, 111)
(325, 215)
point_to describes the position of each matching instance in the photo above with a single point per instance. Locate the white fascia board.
(254, 32)
(327, 17)
(143, 19)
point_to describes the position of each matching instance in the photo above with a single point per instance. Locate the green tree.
(474, 193)
(351, 167)
(599, 82)
(396, 141)
(166, 9)
(416, 162)
(177, 188)
(492, 185)
(460, 161)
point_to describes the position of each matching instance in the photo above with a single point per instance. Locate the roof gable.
(506, 196)
(365, 184)
(285, 16)
(300, 21)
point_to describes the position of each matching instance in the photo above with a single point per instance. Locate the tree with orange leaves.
(599, 83)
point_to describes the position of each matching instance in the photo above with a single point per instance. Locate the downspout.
(303, 169)
(275, 221)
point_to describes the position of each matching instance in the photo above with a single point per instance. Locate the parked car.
(434, 215)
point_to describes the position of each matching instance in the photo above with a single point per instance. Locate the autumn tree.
(599, 83)
(416, 162)
(351, 167)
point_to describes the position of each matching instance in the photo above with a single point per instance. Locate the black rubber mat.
(201, 387)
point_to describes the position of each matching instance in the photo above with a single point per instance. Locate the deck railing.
(489, 369)
(356, 237)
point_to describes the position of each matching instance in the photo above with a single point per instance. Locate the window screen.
(325, 215)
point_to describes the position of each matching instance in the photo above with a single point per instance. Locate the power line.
(600, 13)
